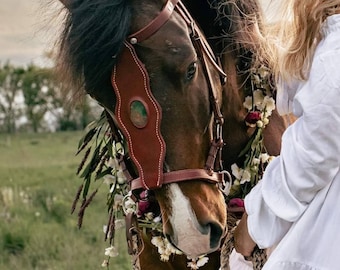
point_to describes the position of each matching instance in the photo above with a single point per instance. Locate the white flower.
(157, 219)
(242, 175)
(165, 248)
(113, 163)
(270, 158)
(248, 103)
(161, 250)
(269, 105)
(109, 179)
(259, 124)
(256, 161)
(202, 261)
(197, 263)
(265, 121)
(263, 71)
(245, 177)
(192, 265)
(256, 79)
(149, 216)
(128, 202)
(113, 188)
(105, 263)
(164, 257)
(258, 97)
(121, 179)
(178, 252)
(264, 157)
(111, 252)
(236, 171)
(119, 148)
(157, 241)
(170, 248)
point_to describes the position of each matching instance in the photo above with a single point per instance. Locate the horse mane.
(240, 23)
(232, 26)
(93, 34)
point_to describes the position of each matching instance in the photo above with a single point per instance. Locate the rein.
(145, 123)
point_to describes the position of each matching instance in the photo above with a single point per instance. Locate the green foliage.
(14, 243)
(38, 87)
(10, 80)
(34, 92)
(37, 185)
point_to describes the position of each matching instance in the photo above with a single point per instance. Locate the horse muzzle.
(187, 230)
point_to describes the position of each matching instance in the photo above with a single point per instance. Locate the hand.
(243, 243)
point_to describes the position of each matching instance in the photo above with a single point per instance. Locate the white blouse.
(296, 206)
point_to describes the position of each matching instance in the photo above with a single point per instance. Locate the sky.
(26, 32)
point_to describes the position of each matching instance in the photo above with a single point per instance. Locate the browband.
(155, 24)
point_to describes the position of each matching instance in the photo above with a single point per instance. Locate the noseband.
(138, 114)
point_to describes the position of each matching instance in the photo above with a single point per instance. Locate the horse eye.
(191, 71)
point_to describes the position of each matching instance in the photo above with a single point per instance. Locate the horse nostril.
(216, 233)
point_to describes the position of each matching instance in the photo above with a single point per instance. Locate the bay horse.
(158, 76)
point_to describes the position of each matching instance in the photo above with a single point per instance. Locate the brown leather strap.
(205, 47)
(133, 236)
(155, 24)
(184, 175)
(130, 81)
(206, 55)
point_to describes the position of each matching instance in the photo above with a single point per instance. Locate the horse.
(171, 76)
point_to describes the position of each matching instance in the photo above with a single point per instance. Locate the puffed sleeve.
(309, 159)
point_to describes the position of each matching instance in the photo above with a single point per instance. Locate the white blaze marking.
(187, 235)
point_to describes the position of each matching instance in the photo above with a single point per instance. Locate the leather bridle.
(130, 81)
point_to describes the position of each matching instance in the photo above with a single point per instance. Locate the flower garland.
(259, 106)
(106, 150)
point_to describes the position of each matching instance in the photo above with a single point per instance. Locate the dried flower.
(258, 97)
(252, 118)
(109, 179)
(259, 105)
(197, 263)
(164, 247)
(121, 179)
(248, 103)
(111, 252)
(105, 263)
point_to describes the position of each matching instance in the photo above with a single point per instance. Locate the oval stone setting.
(138, 114)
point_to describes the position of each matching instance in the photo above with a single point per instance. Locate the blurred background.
(39, 135)
(22, 40)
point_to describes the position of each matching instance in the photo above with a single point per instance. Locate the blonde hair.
(292, 41)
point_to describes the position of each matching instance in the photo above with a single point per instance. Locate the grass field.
(37, 186)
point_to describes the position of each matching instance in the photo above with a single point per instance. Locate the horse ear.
(66, 3)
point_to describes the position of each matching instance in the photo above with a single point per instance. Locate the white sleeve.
(309, 159)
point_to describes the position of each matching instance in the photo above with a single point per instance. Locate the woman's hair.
(294, 37)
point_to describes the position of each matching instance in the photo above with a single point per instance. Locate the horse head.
(150, 67)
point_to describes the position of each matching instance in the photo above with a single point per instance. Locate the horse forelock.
(239, 20)
(93, 34)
